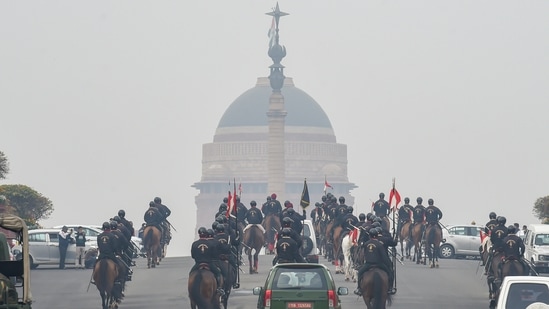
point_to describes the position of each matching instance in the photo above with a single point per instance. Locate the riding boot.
(220, 290)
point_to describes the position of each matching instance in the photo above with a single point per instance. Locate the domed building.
(239, 151)
(269, 140)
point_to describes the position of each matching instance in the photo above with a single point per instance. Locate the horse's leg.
(256, 260)
(250, 261)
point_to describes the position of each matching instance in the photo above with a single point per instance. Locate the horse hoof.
(436, 266)
(346, 279)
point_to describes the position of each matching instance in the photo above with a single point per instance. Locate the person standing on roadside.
(80, 238)
(64, 241)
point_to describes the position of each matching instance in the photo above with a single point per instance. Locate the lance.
(170, 224)
(393, 250)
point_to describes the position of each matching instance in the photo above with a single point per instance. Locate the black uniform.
(498, 234)
(381, 208)
(405, 213)
(107, 245)
(316, 213)
(432, 214)
(513, 247)
(254, 216)
(490, 225)
(349, 222)
(241, 211)
(375, 254)
(128, 225)
(297, 226)
(287, 251)
(204, 250)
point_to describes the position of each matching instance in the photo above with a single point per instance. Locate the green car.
(299, 285)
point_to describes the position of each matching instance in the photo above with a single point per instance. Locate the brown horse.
(227, 281)
(151, 244)
(329, 246)
(105, 273)
(337, 253)
(417, 235)
(405, 237)
(271, 224)
(253, 241)
(202, 288)
(433, 236)
(492, 277)
(374, 285)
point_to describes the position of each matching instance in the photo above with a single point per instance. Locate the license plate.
(299, 305)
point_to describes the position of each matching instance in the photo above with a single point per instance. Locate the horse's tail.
(103, 282)
(378, 301)
(431, 236)
(147, 237)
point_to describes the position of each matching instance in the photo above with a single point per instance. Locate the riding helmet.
(373, 232)
(114, 225)
(116, 218)
(501, 220)
(381, 195)
(225, 200)
(350, 209)
(511, 229)
(202, 232)
(220, 228)
(492, 215)
(342, 199)
(379, 229)
(286, 232)
(268, 198)
(253, 203)
(219, 219)
(362, 217)
(287, 221)
(291, 211)
(369, 216)
(376, 224)
(152, 204)
(158, 200)
(419, 200)
(121, 213)
(215, 224)
(106, 226)
(210, 233)
(323, 198)
(430, 201)
(406, 200)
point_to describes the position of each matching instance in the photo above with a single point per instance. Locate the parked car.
(44, 248)
(309, 249)
(521, 291)
(536, 245)
(460, 240)
(299, 285)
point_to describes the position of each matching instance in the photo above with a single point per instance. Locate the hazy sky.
(106, 104)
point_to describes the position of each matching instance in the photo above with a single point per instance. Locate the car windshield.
(542, 240)
(294, 278)
(306, 231)
(523, 294)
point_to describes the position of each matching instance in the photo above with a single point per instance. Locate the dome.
(250, 108)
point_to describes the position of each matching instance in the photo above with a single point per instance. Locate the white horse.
(346, 244)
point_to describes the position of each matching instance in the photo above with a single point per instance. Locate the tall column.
(276, 114)
(276, 153)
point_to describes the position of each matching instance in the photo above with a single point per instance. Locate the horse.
(271, 224)
(492, 277)
(386, 223)
(405, 237)
(433, 234)
(202, 288)
(336, 240)
(417, 236)
(105, 273)
(374, 285)
(253, 240)
(329, 245)
(228, 281)
(317, 226)
(151, 244)
(348, 243)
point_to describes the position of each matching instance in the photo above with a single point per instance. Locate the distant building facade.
(240, 151)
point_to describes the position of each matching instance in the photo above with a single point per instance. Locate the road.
(454, 285)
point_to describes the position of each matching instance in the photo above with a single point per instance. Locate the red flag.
(482, 236)
(326, 185)
(394, 195)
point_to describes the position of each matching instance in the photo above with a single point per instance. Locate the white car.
(44, 248)
(523, 291)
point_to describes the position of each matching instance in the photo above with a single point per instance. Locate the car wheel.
(447, 252)
(32, 265)
(307, 245)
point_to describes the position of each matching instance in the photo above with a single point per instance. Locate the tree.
(541, 208)
(26, 203)
(4, 165)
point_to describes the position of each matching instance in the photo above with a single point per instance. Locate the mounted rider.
(488, 227)
(297, 219)
(405, 213)
(382, 207)
(316, 213)
(254, 217)
(287, 249)
(222, 208)
(513, 249)
(419, 216)
(274, 205)
(153, 217)
(350, 221)
(123, 220)
(497, 236)
(375, 255)
(241, 211)
(107, 247)
(122, 243)
(223, 249)
(166, 212)
(265, 208)
(433, 214)
(204, 251)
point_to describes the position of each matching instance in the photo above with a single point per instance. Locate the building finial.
(276, 51)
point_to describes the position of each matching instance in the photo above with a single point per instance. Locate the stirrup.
(236, 285)
(220, 291)
(391, 291)
(358, 292)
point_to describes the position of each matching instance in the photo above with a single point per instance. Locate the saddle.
(205, 266)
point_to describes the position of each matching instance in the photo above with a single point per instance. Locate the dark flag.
(305, 200)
